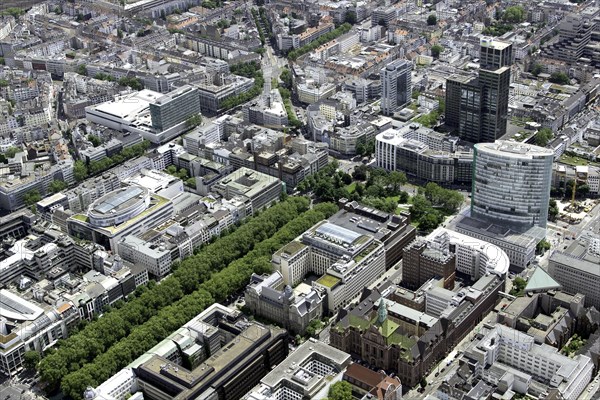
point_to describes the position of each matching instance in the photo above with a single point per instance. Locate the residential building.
(396, 86)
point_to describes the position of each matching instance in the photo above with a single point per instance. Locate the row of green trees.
(289, 109)
(261, 34)
(100, 335)
(249, 70)
(221, 284)
(339, 31)
(81, 170)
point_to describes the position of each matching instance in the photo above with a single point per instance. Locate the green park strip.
(218, 285)
(99, 335)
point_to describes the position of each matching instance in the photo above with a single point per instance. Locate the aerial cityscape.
(296, 200)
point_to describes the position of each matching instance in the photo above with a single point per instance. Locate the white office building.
(503, 346)
(347, 261)
(577, 268)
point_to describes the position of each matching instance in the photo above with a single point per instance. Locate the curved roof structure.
(119, 205)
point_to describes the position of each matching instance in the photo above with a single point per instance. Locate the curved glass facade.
(511, 184)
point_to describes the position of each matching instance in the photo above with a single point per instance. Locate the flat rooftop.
(129, 106)
(581, 254)
(303, 354)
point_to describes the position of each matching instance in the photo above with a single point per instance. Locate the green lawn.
(328, 280)
(575, 161)
(351, 187)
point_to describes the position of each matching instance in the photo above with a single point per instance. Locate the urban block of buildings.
(347, 252)
(509, 200)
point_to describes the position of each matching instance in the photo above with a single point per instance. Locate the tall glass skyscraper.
(478, 107)
(511, 184)
(396, 86)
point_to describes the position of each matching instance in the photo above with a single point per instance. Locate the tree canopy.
(514, 14)
(543, 137)
(340, 30)
(559, 78)
(341, 390)
(57, 186)
(32, 197)
(214, 272)
(431, 19)
(436, 49)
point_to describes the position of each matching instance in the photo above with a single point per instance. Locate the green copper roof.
(540, 280)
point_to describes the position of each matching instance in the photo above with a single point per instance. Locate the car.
(437, 374)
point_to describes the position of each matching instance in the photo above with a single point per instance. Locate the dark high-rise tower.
(478, 107)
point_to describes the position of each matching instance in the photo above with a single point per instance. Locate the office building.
(425, 260)
(406, 332)
(511, 185)
(551, 316)
(577, 268)
(453, 100)
(396, 86)
(394, 231)
(346, 261)
(348, 252)
(261, 189)
(390, 336)
(174, 108)
(499, 350)
(122, 212)
(424, 154)
(518, 245)
(509, 199)
(482, 101)
(370, 385)
(268, 297)
(218, 354)
(28, 325)
(575, 33)
(305, 374)
(268, 110)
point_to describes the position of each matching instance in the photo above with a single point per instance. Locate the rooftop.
(541, 280)
(328, 280)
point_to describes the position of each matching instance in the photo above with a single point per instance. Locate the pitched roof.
(540, 280)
